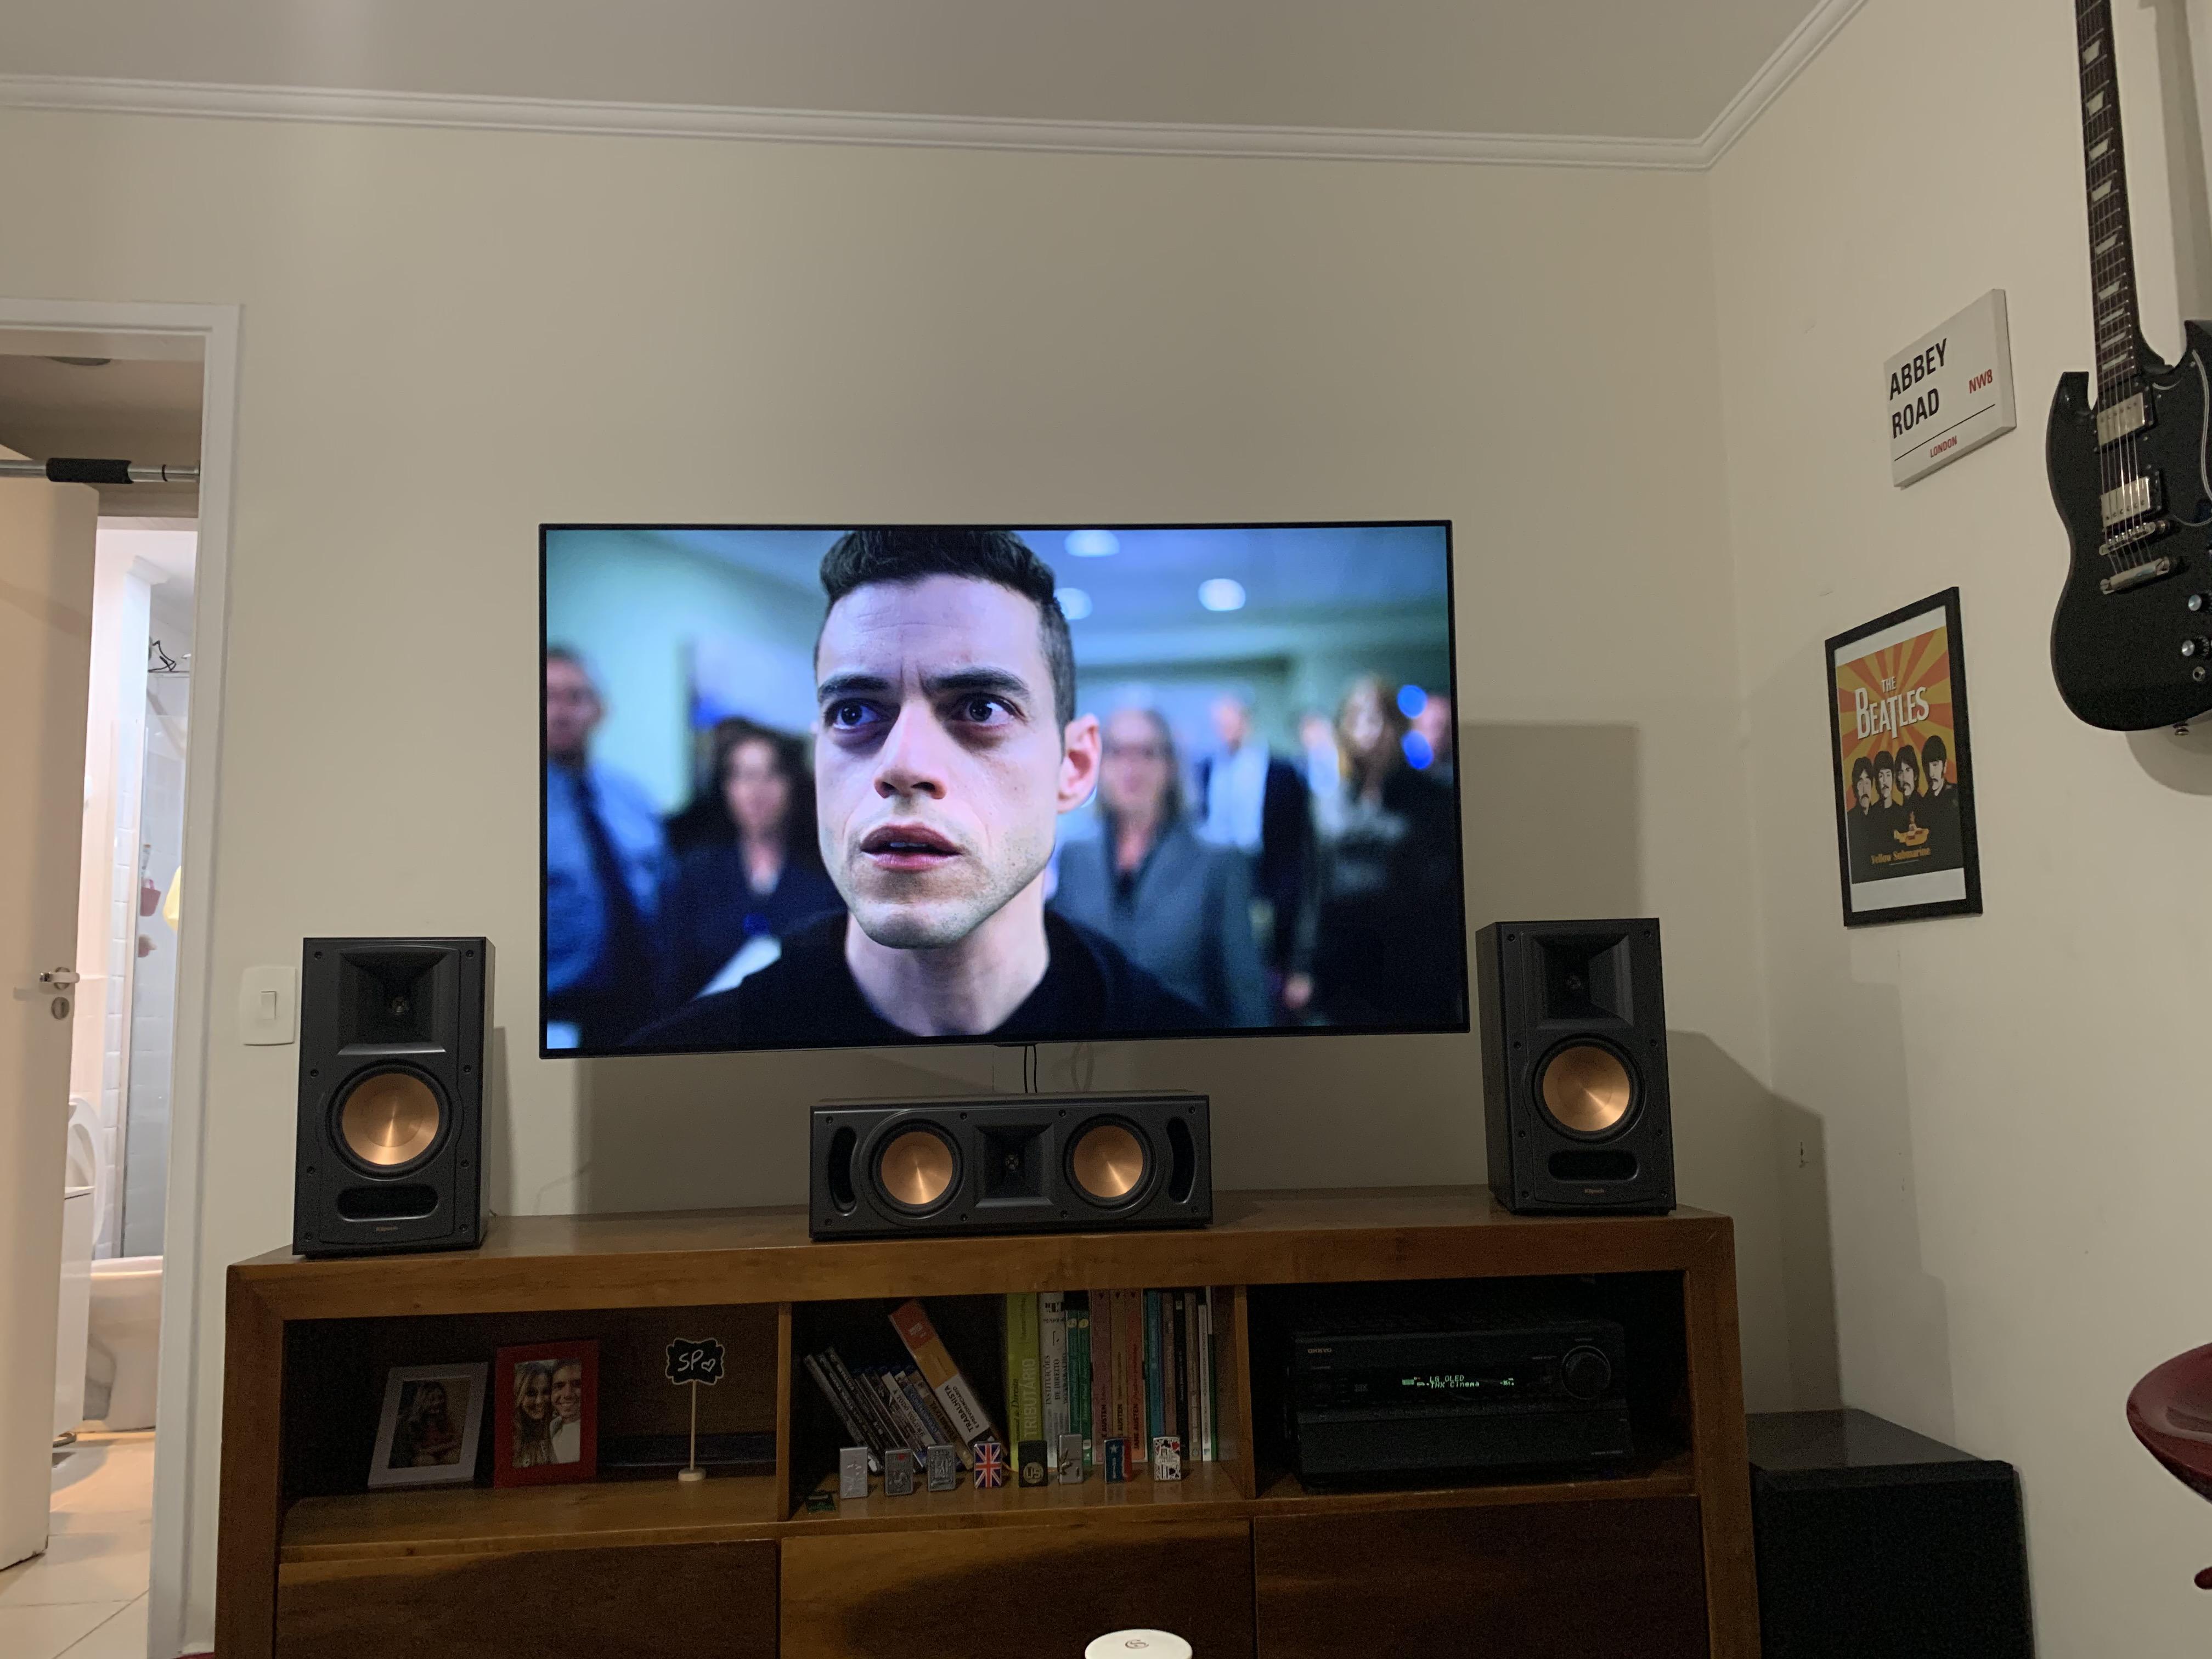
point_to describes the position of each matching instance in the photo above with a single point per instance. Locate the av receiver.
(1415, 1397)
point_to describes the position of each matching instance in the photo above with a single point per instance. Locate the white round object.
(1121, 1643)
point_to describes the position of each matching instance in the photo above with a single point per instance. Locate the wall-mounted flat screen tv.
(846, 785)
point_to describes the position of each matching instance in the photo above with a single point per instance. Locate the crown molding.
(1821, 25)
(551, 115)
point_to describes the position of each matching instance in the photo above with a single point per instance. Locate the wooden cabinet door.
(643, 1603)
(1015, 1592)
(1614, 1580)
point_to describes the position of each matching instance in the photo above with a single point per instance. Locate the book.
(963, 1413)
(856, 1432)
(1024, 1387)
(1206, 1373)
(866, 1403)
(1187, 1359)
(1101, 1333)
(1052, 1370)
(934, 1430)
(912, 1434)
(1155, 1407)
(1171, 1352)
(1129, 1374)
(1079, 1370)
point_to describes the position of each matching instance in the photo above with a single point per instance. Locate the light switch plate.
(269, 1005)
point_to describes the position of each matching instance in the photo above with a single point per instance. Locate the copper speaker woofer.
(1587, 1088)
(916, 1170)
(1108, 1164)
(387, 1121)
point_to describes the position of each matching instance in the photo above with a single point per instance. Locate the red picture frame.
(535, 1443)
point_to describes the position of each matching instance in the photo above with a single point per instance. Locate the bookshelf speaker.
(1010, 1165)
(391, 1046)
(1574, 1066)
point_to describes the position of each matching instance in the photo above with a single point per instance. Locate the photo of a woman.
(427, 1438)
(427, 1432)
(533, 1415)
(550, 1429)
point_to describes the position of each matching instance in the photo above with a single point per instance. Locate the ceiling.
(1649, 69)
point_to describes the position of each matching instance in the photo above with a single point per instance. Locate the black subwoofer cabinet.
(1877, 1543)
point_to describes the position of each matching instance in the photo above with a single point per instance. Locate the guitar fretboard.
(2112, 247)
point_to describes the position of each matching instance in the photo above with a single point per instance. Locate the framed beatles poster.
(1904, 775)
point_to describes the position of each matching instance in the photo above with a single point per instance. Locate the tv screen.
(825, 787)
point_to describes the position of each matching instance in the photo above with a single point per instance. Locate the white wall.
(2013, 1106)
(450, 336)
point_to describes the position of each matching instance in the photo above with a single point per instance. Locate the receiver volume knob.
(1585, 1373)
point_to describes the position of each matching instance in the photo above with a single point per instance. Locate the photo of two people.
(817, 788)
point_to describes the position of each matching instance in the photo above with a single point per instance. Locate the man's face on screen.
(940, 764)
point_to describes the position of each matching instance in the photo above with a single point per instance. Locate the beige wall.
(450, 336)
(2013, 1106)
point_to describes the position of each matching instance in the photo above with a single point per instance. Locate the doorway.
(150, 385)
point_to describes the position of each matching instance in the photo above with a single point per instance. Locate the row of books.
(917, 1405)
(1106, 1364)
(1112, 1364)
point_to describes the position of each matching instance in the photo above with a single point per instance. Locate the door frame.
(190, 1357)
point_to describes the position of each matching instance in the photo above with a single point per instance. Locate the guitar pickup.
(2136, 498)
(2122, 419)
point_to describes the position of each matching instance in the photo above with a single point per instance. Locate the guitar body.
(2138, 658)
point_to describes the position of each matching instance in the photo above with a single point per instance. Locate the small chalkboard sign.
(695, 1361)
(692, 1361)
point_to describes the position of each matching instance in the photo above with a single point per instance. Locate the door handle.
(59, 978)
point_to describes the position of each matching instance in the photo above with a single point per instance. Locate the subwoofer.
(392, 1047)
(1574, 1066)
(1009, 1163)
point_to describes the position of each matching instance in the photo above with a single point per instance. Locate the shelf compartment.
(483, 1521)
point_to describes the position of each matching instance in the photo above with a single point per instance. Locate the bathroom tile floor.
(86, 1596)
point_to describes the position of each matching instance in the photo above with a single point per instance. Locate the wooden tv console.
(1653, 1562)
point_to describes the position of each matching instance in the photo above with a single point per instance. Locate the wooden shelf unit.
(311, 1565)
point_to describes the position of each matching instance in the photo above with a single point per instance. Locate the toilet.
(123, 1358)
(123, 1332)
(80, 1224)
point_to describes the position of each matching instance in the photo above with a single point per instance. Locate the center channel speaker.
(392, 1046)
(1574, 1066)
(1019, 1164)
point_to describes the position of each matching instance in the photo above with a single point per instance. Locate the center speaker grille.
(1009, 1163)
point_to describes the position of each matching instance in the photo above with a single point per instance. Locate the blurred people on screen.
(1433, 725)
(1258, 803)
(1386, 946)
(604, 862)
(1175, 904)
(1323, 767)
(754, 875)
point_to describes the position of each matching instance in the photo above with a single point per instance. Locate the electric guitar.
(2131, 643)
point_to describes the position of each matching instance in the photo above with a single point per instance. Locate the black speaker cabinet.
(1009, 1163)
(392, 1046)
(1574, 1066)
(1876, 1543)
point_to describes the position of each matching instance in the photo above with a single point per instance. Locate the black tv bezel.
(1459, 828)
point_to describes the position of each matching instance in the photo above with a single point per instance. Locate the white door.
(46, 534)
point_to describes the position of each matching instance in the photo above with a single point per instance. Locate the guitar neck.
(2111, 244)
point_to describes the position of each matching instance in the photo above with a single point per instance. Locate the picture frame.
(428, 1432)
(1902, 768)
(545, 1407)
